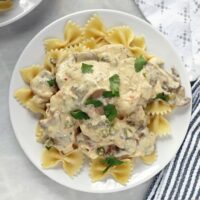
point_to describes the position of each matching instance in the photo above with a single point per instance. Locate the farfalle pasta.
(120, 35)
(95, 28)
(72, 35)
(138, 41)
(159, 125)
(101, 95)
(28, 73)
(26, 98)
(159, 107)
(5, 5)
(71, 162)
(121, 173)
(149, 159)
(23, 95)
(53, 57)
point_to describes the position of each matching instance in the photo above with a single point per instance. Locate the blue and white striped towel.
(180, 180)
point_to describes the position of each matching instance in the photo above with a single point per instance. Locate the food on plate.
(5, 4)
(100, 94)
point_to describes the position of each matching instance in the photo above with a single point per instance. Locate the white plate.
(24, 123)
(20, 9)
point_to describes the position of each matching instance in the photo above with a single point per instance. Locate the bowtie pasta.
(5, 4)
(100, 94)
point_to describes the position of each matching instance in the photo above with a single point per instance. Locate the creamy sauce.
(128, 134)
(40, 86)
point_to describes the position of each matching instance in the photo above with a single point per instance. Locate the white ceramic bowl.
(24, 123)
(20, 9)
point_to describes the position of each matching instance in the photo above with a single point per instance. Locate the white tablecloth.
(19, 179)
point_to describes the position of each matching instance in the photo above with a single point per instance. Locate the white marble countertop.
(19, 179)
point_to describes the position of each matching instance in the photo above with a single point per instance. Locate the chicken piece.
(44, 84)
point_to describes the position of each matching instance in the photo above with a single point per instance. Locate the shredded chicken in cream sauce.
(125, 136)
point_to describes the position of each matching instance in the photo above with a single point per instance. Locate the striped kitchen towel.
(180, 180)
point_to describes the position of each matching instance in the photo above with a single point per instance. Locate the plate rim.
(10, 96)
(20, 15)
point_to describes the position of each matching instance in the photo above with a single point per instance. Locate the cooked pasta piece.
(53, 57)
(71, 162)
(90, 43)
(51, 157)
(149, 159)
(137, 52)
(138, 41)
(54, 43)
(35, 108)
(124, 35)
(121, 173)
(78, 48)
(156, 61)
(96, 170)
(28, 73)
(159, 125)
(158, 107)
(101, 43)
(5, 5)
(94, 28)
(23, 95)
(120, 35)
(72, 35)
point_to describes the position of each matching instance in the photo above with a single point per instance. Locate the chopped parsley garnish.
(110, 162)
(48, 147)
(110, 112)
(52, 82)
(163, 96)
(86, 68)
(139, 63)
(79, 114)
(49, 143)
(108, 94)
(94, 102)
(114, 84)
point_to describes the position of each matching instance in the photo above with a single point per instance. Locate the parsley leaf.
(48, 147)
(86, 68)
(114, 84)
(139, 63)
(110, 112)
(110, 162)
(49, 143)
(52, 82)
(163, 96)
(108, 94)
(94, 102)
(79, 114)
